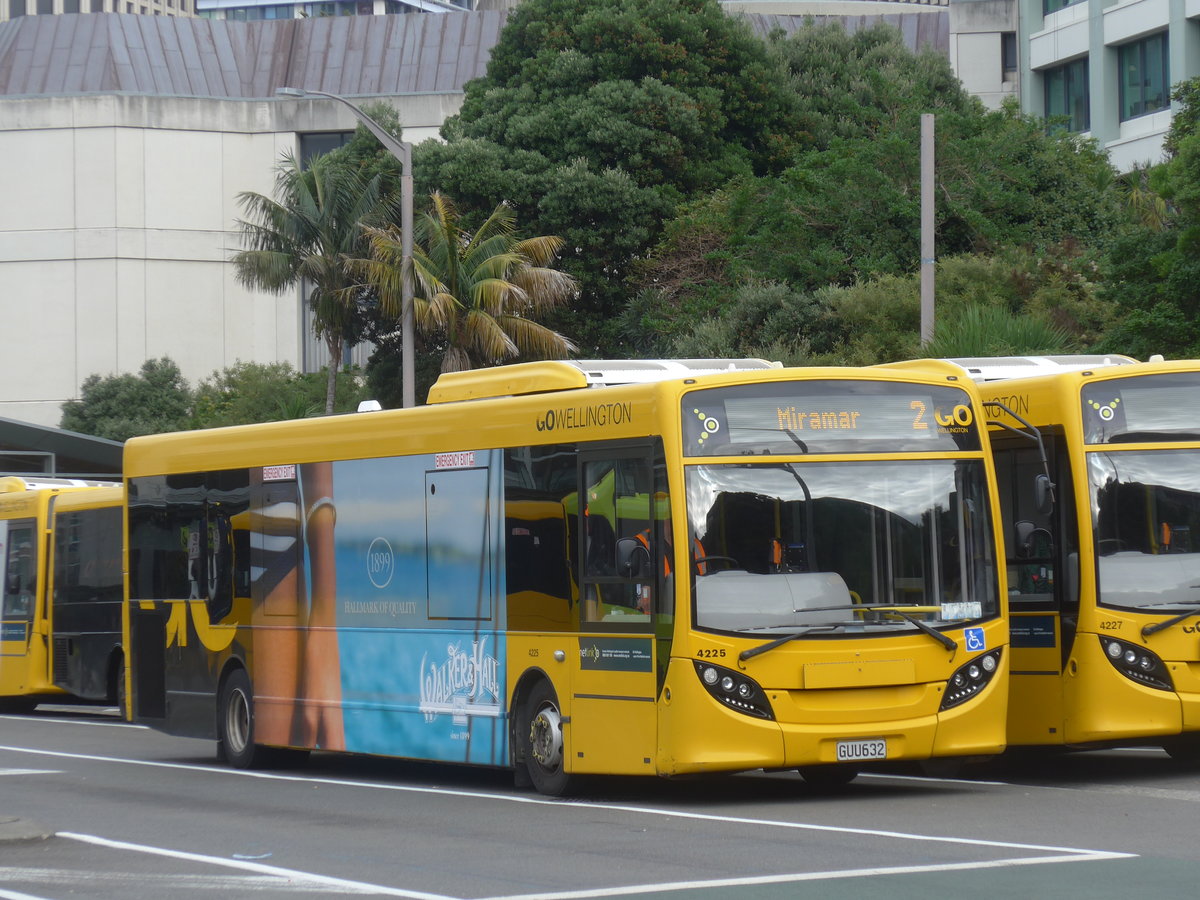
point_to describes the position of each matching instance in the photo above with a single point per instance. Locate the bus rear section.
(1105, 569)
(62, 590)
(87, 590)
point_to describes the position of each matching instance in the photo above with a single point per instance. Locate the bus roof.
(13, 483)
(998, 368)
(573, 374)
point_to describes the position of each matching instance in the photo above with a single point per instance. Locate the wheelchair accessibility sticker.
(975, 639)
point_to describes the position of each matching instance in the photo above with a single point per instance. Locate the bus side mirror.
(1043, 494)
(633, 559)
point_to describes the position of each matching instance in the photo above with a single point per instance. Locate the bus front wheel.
(828, 776)
(543, 739)
(235, 723)
(1184, 748)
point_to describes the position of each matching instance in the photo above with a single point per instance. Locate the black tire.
(235, 724)
(1185, 748)
(834, 776)
(116, 687)
(542, 742)
(18, 706)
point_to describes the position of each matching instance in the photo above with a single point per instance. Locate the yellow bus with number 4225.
(583, 568)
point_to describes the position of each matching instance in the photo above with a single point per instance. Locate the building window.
(16, 8)
(1049, 6)
(1066, 89)
(1145, 76)
(317, 142)
(45, 7)
(1008, 54)
(70, 6)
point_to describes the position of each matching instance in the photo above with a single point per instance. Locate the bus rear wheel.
(235, 723)
(543, 742)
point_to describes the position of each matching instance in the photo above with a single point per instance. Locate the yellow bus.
(1098, 461)
(60, 612)
(582, 568)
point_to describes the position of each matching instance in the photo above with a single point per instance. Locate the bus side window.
(20, 571)
(220, 566)
(618, 492)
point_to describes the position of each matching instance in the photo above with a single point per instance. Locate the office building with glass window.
(15, 9)
(1106, 68)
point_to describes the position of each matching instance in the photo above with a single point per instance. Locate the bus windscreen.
(827, 416)
(1144, 408)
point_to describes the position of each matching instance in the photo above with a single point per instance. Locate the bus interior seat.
(738, 600)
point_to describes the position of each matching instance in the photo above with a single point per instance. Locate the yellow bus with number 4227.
(1098, 460)
(583, 568)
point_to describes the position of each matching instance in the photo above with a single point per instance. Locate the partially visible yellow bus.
(1098, 461)
(61, 601)
(582, 568)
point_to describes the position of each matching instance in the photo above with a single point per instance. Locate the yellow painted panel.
(1104, 705)
(698, 734)
(860, 673)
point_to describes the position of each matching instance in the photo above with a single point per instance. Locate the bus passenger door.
(614, 684)
(18, 603)
(1043, 583)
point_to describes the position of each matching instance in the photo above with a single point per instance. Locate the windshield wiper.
(783, 639)
(895, 609)
(1156, 627)
(944, 639)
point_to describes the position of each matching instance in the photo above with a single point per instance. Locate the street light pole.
(402, 150)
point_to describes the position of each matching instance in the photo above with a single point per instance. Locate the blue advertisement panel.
(421, 655)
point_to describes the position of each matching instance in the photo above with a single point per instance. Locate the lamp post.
(402, 150)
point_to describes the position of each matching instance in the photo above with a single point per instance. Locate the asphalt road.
(131, 814)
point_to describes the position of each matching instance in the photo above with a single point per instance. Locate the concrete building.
(130, 138)
(14, 9)
(1108, 68)
(1103, 68)
(983, 49)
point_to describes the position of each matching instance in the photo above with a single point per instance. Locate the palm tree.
(480, 293)
(307, 234)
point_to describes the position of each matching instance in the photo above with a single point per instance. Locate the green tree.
(119, 407)
(305, 234)
(1014, 302)
(596, 117)
(848, 210)
(1152, 272)
(479, 295)
(250, 392)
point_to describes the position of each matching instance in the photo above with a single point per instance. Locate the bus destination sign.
(828, 417)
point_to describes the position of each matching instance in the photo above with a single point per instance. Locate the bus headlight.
(970, 678)
(734, 690)
(1137, 664)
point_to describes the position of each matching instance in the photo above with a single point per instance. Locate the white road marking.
(30, 771)
(1059, 854)
(802, 876)
(232, 885)
(17, 895)
(326, 881)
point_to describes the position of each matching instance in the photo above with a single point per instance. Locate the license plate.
(855, 750)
